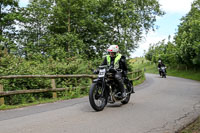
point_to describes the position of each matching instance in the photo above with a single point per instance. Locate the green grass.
(190, 74)
(68, 95)
(7, 107)
(43, 101)
(192, 128)
(141, 80)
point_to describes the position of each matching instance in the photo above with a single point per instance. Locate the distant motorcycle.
(163, 71)
(104, 89)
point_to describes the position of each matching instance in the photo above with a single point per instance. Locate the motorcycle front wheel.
(163, 75)
(97, 99)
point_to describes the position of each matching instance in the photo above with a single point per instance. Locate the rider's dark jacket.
(122, 62)
(161, 65)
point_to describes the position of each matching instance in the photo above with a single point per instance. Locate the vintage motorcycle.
(163, 71)
(104, 89)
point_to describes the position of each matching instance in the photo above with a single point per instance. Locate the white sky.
(176, 6)
(23, 3)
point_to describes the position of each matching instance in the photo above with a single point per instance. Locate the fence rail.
(48, 76)
(138, 75)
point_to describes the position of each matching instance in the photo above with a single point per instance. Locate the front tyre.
(97, 99)
(162, 74)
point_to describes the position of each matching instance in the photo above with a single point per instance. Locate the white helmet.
(159, 61)
(113, 48)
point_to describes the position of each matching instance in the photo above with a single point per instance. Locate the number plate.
(102, 72)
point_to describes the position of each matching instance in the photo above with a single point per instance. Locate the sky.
(167, 24)
(23, 3)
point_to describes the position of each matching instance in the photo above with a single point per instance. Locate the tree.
(84, 27)
(8, 17)
(100, 23)
(34, 34)
(166, 51)
(187, 37)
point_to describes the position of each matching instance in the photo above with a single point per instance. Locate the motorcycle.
(104, 89)
(163, 71)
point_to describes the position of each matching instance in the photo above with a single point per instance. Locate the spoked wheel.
(97, 99)
(126, 100)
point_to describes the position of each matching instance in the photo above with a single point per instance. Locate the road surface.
(158, 106)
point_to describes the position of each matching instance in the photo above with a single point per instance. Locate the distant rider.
(160, 64)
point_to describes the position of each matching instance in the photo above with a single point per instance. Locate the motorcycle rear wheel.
(97, 100)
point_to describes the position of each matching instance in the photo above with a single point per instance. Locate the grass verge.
(68, 96)
(193, 127)
(140, 81)
(189, 74)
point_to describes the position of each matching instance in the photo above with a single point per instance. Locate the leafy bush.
(11, 65)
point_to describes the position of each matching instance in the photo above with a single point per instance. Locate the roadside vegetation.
(193, 127)
(51, 67)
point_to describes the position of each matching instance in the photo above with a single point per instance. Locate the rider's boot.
(123, 92)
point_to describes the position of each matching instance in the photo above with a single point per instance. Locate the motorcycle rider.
(115, 60)
(160, 64)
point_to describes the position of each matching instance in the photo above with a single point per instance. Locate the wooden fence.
(137, 74)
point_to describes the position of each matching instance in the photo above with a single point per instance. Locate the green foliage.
(187, 38)
(186, 50)
(12, 65)
(164, 51)
(78, 27)
(33, 29)
(8, 17)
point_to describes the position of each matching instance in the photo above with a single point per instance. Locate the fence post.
(90, 81)
(53, 85)
(2, 98)
(132, 75)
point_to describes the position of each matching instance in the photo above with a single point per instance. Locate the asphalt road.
(158, 106)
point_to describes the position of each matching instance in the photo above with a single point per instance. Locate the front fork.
(103, 87)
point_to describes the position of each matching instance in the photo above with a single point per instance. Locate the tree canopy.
(64, 28)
